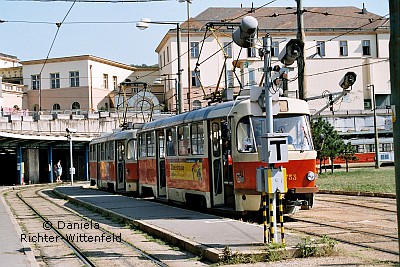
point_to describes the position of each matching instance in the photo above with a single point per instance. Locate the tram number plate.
(291, 177)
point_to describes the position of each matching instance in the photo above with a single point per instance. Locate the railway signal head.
(246, 34)
(291, 52)
(348, 80)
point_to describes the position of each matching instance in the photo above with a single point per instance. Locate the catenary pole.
(301, 60)
(394, 56)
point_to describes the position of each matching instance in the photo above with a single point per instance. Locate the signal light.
(245, 35)
(291, 52)
(348, 80)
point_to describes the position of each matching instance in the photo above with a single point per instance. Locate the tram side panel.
(147, 164)
(188, 177)
(131, 174)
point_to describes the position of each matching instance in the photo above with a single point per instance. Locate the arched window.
(196, 104)
(76, 105)
(56, 106)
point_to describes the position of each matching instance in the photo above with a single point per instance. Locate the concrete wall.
(31, 164)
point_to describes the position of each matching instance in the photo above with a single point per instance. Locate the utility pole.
(394, 57)
(301, 60)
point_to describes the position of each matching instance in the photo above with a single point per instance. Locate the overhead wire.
(252, 10)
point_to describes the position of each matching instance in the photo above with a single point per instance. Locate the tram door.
(97, 153)
(217, 194)
(161, 177)
(120, 165)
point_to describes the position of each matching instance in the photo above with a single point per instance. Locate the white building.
(337, 40)
(11, 91)
(73, 83)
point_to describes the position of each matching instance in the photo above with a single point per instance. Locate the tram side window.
(370, 147)
(92, 153)
(111, 150)
(142, 146)
(183, 140)
(102, 151)
(386, 147)
(245, 136)
(121, 150)
(150, 144)
(171, 142)
(161, 145)
(131, 152)
(360, 148)
(197, 139)
(107, 151)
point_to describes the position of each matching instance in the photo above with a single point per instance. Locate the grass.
(369, 180)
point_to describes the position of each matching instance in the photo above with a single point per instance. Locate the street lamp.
(373, 104)
(70, 131)
(144, 24)
(188, 2)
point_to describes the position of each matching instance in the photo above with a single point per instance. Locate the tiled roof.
(284, 18)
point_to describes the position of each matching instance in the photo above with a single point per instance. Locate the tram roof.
(120, 135)
(215, 111)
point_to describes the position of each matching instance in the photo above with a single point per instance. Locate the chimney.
(364, 10)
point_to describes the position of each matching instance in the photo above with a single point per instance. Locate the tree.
(327, 141)
(347, 153)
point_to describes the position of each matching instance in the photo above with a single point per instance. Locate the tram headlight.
(310, 176)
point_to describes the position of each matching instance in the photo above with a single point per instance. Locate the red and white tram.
(208, 157)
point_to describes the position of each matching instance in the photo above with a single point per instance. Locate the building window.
(35, 82)
(160, 63)
(105, 81)
(228, 49)
(165, 62)
(275, 49)
(115, 82)
(76, 105)
(56, 106)
(252, 78)
(251, 52)
(74, 78)
(231, 79)
(194, 49)
(196, 78)
(54, 80)
(321, 48)
(168, 54)
(343, 48)
(366, 47)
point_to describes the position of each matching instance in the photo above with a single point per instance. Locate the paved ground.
(208, 234)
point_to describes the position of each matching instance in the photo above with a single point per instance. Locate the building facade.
(337, 40)
(73, 83)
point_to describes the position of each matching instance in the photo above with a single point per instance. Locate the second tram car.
(208, 157)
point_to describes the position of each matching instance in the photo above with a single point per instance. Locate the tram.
(208, 157)
(365, 152)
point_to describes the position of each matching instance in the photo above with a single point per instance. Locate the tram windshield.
(297, 127)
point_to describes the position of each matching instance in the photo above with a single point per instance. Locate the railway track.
(63, 237)
(354, 221)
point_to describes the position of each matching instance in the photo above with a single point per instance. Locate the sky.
(108, 30)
